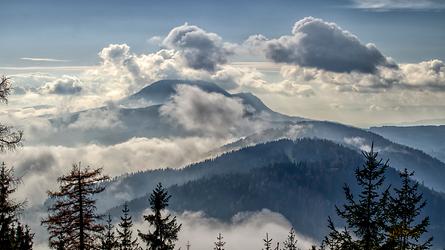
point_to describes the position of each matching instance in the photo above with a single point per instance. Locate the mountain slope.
(428, 169)
(430, 139)
(300, 179)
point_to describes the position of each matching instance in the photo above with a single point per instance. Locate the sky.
(358, 62)
(61, 41)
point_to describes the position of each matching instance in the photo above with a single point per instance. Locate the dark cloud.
(200, 49)
(322, 45)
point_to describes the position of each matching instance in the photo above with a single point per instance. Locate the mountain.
(302, 180)
(429, 170)
(430, 139)
(117, 123)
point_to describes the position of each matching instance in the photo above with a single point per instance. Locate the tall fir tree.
(267, 242)
(366, 215)
(108, 241)
(219, 243)
(72, 220)
(125, 233)
(8, 207)
(403, 230)
(13, 234)
(166, 228)
(291, 242)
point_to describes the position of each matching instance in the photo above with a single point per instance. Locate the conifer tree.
(9, 138)
(267, 243)
(23, 238)
(72, 220)
(291, 241)
(166, 229)
(108, 240)
(403, 230)
(366, 215)
(219, 243)
(125, 234)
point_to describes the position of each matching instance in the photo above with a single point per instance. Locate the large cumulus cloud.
(319, 44)
(200, 49)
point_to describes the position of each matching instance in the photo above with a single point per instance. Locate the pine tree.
(9, 139)
(13, 235)
(165, 227)
(124, 235)
(366, 215)
(404, 208)
(108, 240)
(72, 221)
(219, 244)
(8, 208)
(291, 241)
(267, 242)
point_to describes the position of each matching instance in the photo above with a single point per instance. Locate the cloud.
(40, 165)
(398, 4)
(66, 85)
(245, 231)
(200, 49)
(422, 76)
(37, 59)
(207, 113)
(322, 45)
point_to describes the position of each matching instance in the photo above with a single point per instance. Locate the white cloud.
(398, 4)
(245, 231)
(66, 85)
(40, 59)
(207, 113)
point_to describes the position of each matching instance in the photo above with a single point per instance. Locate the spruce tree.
(219, 243)
(403, 230)
(108, 241)
(72, 220)
(125, 234)
(291, 241)
(166, 229)
(267, 243)
(365, 216)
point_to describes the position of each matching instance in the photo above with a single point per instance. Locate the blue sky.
(76, 30)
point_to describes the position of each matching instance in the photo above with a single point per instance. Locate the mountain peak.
(159, 92)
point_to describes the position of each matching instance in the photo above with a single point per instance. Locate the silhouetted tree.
(125, 234)
(23, 238)
(219, 243)
(267, 243)
(9, 139)
(13, 235)
(166, 229)
(72, 221)
(403, 231)
(291, 241)
(366, 215)
(108, 241)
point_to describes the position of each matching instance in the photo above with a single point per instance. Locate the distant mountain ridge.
(300, 179)
(430, 139)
